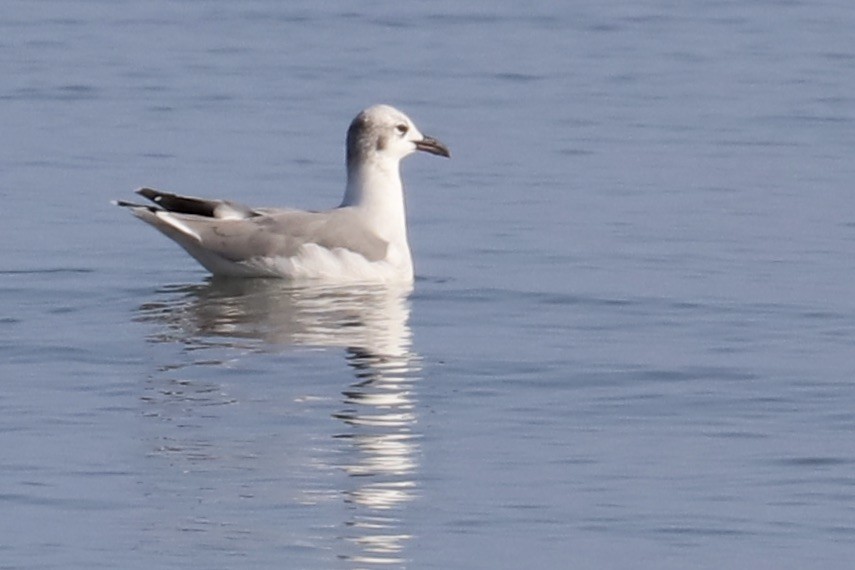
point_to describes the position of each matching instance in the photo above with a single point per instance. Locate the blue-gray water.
(630, 344)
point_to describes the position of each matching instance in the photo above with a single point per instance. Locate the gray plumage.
(262, 232)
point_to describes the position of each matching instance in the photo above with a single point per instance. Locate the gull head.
(382, 133)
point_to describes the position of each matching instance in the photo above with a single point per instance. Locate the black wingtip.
(125, 204)
(149, 193)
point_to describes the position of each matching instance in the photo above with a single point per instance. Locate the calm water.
(630, 344)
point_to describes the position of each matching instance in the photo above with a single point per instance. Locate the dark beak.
(433, 146)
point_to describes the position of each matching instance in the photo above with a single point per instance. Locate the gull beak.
(433, 146)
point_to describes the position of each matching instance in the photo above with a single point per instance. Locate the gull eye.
(402, 129)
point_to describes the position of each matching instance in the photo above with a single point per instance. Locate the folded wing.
(235, 233)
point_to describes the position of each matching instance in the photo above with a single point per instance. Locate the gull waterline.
(363, 239)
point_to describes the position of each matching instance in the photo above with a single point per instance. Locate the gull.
(363, 239)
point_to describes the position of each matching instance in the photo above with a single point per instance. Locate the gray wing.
(238, 233)
(282, 233)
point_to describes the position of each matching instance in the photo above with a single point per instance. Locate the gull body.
(363, 239)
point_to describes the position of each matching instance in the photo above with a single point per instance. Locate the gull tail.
(163, 220)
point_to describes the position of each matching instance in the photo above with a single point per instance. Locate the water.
(630, 343)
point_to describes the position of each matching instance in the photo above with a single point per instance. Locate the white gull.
(363, 239)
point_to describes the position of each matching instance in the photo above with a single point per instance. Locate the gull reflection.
(378, 409)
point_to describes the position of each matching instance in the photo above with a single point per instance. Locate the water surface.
(629, 343)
